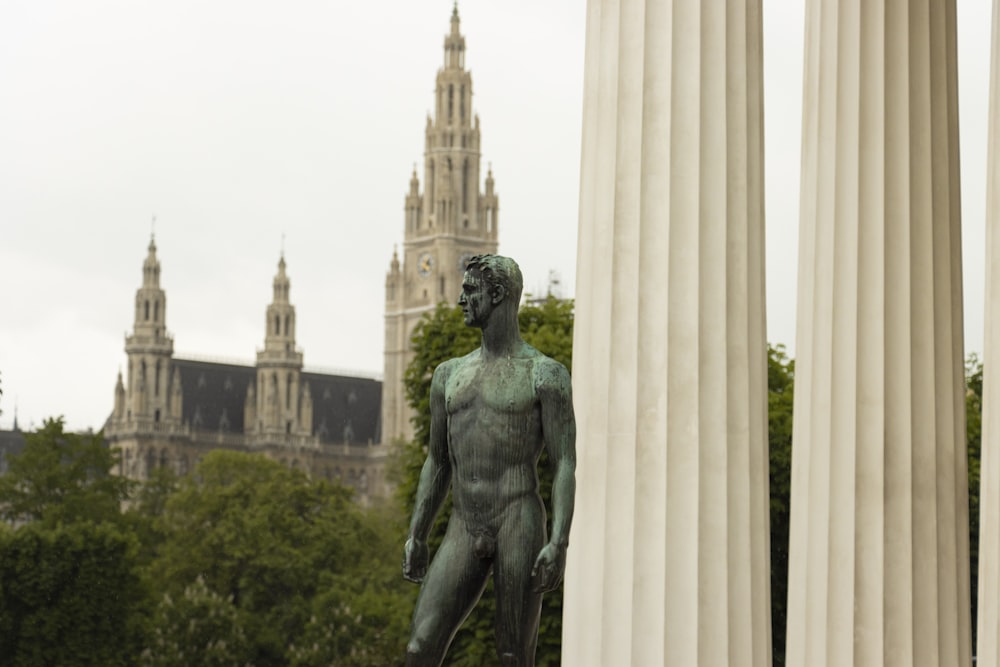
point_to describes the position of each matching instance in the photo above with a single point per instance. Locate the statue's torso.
(494, 434)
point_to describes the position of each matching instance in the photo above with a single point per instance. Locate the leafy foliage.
(547, 325)
(69, 596)
(200, 629)
(260, 534)
(973, 442)
(147, 507)
(361, 621)
(780, 390)
(62, 477)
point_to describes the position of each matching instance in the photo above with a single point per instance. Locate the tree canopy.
(62, 477)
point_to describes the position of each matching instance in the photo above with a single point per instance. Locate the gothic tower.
(445, 225)
(150, 395)
(279, 405)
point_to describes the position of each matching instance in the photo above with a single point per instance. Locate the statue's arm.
(559, 432)
(432, 488)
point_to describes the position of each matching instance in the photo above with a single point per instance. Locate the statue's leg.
(455, 580)
(521, 537)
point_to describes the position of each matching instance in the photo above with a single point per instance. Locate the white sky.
(238, 122)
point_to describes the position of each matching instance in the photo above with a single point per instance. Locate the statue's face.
(475, 299)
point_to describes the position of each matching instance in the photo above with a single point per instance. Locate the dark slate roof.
(11, 442)
(214, 394)
(345, 409)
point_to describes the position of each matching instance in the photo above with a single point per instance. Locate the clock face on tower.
(425, 264)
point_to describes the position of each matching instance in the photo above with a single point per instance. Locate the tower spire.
(151, 267)
(451, 220)
(279, 365)
(280, 332)
(454, 44)
(149, 347)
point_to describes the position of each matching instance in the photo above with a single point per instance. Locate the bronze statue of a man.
(492, 413)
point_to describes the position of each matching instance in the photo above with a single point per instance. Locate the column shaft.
(878, 567)
(988, 635)
(669, 552)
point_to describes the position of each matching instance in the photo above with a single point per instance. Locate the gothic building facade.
(170, 411)
(444, 225)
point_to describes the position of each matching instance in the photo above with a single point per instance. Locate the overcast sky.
(238, 124)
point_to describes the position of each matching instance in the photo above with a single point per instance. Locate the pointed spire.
(151, 267)
(280, 322)
(454, 43)
(414, 183)
(281, 282)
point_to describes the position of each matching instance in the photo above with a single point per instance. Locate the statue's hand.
(547, 573)
(415, 557)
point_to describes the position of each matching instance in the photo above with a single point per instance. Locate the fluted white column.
(988, 635)
(878, 560)
(668, 559)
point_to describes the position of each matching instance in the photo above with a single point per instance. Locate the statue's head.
(499, 271)
(490, 282)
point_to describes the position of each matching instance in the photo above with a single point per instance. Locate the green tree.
(198, 629)
(69, 595)
(146, 509)
(780, 390)
(973, 436)
(62, 477)
(264, 536)
(547, 325)
(361, 621)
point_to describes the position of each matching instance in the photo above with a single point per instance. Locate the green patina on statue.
(492, 413)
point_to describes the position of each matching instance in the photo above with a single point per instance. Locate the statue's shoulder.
(446, 368)
(547, 371)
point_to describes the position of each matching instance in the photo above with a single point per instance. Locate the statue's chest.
(499, 387)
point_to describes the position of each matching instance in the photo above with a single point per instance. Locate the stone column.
(878, 557)
(988, 652)
(668, 559)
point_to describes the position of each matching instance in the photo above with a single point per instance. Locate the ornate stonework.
(171, 412)
(447, 223)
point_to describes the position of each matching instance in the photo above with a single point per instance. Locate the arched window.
(156, 387)
(147, 310)
(288, 391)
(277, 324)
(156, 311)
(465, 186)
(430, 183)
(288, 319)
